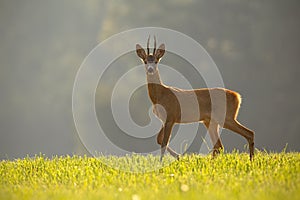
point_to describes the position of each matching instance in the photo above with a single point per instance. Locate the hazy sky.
(255, 44)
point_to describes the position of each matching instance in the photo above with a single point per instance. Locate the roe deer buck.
(173, 105)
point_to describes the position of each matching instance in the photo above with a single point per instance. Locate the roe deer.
(173, 105)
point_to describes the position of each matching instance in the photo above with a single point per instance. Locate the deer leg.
(213, 130)
(173, 153)
(243, 131)
(167, 133)
(160, 138)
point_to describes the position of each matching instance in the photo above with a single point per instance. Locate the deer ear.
(160, 51)
(140, 52)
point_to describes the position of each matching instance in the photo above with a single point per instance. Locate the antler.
(148, 45)
(154, 45)
(148, 49)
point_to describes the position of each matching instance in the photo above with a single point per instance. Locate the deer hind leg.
(213, 130)
(235, 126)
(160, 138)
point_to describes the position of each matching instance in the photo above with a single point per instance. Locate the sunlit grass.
(229, 176)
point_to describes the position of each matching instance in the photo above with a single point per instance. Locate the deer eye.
(145, 61)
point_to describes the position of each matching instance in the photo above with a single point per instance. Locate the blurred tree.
(255, 45)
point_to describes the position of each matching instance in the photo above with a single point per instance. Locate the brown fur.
(215, 107)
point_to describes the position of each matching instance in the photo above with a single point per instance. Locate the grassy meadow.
(229, 176)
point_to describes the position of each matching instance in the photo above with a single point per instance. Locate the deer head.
(150, 60)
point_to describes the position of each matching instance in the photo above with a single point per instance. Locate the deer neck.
(154, 78)
(154, 86)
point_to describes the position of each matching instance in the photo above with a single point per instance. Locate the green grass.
(229, 176)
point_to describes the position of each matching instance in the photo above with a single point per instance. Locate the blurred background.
(255, 45)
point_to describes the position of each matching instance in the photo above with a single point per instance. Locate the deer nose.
(150, 69)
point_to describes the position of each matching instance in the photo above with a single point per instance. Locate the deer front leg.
(166, 137)
(160, 138)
